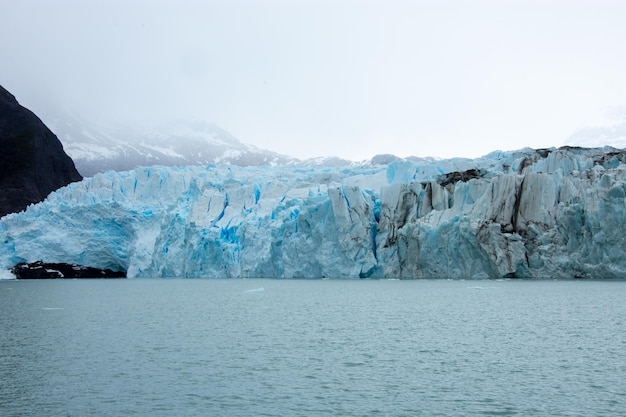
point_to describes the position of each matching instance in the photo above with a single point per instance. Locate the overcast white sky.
(329, 77)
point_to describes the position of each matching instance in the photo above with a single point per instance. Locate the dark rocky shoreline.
(43, 270)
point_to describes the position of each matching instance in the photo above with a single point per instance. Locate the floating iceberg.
(552, 213)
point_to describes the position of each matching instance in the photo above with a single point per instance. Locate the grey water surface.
(312, 348)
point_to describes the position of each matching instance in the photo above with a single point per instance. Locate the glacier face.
(552, 213)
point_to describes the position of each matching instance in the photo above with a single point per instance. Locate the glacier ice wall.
(552, 213)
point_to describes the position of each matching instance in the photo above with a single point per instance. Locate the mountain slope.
(599, 136)
(32, 160)
(95, 147)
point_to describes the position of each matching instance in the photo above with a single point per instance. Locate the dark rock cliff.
(32, 160)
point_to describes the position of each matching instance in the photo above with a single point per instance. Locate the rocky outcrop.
(32, 160)
(41, 270)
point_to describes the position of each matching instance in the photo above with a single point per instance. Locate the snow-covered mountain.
(96, 147)
(608, 129)
(598, 136)
(548, 213)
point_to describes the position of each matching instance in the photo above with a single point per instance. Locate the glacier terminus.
(547, 213)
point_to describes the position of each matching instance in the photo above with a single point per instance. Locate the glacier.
(547, 213)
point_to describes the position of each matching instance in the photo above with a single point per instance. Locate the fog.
(344, 77)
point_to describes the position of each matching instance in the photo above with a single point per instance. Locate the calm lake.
(312, 348)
